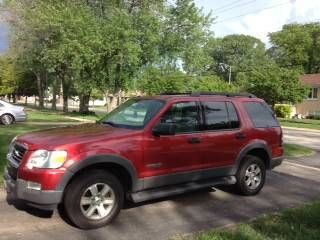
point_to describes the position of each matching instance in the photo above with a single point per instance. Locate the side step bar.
(179, 189)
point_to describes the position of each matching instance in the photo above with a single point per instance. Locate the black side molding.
(179, 189)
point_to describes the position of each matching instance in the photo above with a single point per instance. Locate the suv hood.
(53, 138)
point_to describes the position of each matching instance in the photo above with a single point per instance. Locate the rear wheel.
(7, 119)
(93, 199)
(251, 176)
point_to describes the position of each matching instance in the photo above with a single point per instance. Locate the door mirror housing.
(164, 129)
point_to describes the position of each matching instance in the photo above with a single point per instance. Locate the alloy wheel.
(253, 176)
(97, 201)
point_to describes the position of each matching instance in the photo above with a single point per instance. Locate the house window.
(313, 94)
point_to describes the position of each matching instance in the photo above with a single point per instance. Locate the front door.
(179, 153)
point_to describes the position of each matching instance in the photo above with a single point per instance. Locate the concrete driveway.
(292, 184)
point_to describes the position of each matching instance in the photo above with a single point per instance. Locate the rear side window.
(261, 115)
(220, 115)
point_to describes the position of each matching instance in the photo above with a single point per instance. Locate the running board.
(179, 189)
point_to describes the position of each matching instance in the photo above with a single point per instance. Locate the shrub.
(282, 110)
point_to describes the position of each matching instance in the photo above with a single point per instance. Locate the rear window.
(261, 115)
(220, 115)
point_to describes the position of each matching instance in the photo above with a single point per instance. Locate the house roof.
(311, 79)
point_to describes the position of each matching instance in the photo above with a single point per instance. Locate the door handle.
(194, 140)
(241, 136)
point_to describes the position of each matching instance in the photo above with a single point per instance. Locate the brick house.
(311, 105)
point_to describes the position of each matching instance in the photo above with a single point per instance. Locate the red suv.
(149, 147)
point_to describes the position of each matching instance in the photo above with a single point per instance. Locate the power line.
(228, 5)
(236, 6)
(256, 11)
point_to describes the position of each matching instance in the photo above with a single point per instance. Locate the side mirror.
(164, 129)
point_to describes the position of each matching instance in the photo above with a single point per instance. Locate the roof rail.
(197, 94)
(176, 93)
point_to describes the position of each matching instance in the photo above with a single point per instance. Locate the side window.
(260, 115)
(233, 116)
(1, 105)
(184, 115)
(216, 115)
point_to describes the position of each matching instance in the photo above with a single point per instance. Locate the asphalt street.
(294, 183)
(307, 138)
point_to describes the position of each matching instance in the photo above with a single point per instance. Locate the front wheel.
(251, 176)
(93, 199)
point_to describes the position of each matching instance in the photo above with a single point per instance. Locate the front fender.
(98, 159)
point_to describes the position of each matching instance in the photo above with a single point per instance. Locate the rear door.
(222, 134)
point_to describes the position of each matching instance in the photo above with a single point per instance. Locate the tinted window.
(216, 115)
(233, 116)
(184, 115)
(261, 115)
(220, 115)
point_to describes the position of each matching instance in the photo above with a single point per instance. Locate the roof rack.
(197, 94)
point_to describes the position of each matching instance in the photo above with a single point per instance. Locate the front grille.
(15, 156)
(17, 153)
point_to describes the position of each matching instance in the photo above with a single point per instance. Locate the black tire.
(241, 186)
(79, 186)
(7, 119)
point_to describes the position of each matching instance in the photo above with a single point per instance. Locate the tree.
(274, 84)
(155, 83)
(185, 34)
(241, 52)
(297, 46)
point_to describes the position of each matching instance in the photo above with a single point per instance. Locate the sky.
(248, 17)
(251, 17)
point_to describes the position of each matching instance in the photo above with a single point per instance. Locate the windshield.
(133, 114)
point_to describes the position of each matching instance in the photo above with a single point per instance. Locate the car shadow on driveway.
(192, 212)
(22, 206)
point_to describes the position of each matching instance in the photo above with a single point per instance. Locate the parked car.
(10, 113)
(149, 147)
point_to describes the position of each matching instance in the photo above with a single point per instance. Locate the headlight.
(46, 159)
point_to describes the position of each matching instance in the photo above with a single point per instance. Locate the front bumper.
(21, 117)
(38, 198)
(276, 162)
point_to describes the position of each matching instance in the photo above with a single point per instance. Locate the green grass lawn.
(56, 116)
(293, 224)
(294, 150)
(300, 123)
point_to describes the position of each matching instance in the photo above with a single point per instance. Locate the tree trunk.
(65, 89)
(40, 90)
(65, 103)
(54, 95)
(106, 95)
(26, 100)
(14, 97)
(84, 103)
